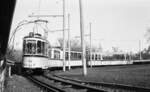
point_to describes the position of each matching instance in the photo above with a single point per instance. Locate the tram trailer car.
(56, 58)
(35, 55)
(98, 59)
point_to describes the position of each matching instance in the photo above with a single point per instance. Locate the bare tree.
(13, 54)
(75, 44)
(115, 49)
(147, 35)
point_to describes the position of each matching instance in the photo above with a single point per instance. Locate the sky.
(115, 23)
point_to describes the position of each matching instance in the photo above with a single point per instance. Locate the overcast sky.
(115, 23)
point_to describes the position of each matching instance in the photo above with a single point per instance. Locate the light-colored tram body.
(98, 59)
(56, 58)
(35, 55)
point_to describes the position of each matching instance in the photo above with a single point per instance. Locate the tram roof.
(38, 38)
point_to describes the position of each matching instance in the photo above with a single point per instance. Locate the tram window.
(92, 57)
(56, 54)
(39, 47)
(33, 48)
(49, 53)
(96, 57)
(89, 57)
(67, 56)
(43, 48)
(46, 52)
(30, 47)
(71, 55)
(99, 57)
(75, 56)
(80, 56)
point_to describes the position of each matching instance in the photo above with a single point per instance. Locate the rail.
(75, 84)
(52, 84)
(46, 87)
(112, 86)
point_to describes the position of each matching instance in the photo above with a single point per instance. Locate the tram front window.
(30, 47)
(39, 48)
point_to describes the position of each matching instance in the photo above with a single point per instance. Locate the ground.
(136, 75)
(20, 84)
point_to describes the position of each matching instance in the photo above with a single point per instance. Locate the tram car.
(35, 53)
(56, 58)
(103, 59)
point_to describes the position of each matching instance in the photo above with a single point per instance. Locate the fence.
(3, 70)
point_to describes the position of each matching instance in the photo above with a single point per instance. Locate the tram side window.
(75, 56)
(80, 56)
(46, 50)
(67, 56)
(56, 54)
(96, 57)
(43, 48)
(92, 57)
(39, 47)
(99, 57)
(49, 53)
(71, 56)
(24, 46)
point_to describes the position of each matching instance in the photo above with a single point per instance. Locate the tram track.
(53, 84)
(109, 87)
(44, 86)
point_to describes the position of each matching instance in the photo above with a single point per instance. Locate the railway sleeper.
(77, 85)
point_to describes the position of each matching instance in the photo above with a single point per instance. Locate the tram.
(35, 53)
(38, 55)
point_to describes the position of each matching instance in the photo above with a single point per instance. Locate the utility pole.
(140, 49)
(82, 38)
(90, 45)
(64, 45)
(63, 16)
(69, 44)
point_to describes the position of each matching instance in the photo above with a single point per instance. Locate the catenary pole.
(90, 45)
(69, 44)
(64, 45)
(140, 49)
(82, 38)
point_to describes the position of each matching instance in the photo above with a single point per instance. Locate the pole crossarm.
(46, 15)
(57, 30)
(86, 35)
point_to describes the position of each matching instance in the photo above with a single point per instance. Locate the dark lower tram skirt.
(32, 71)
